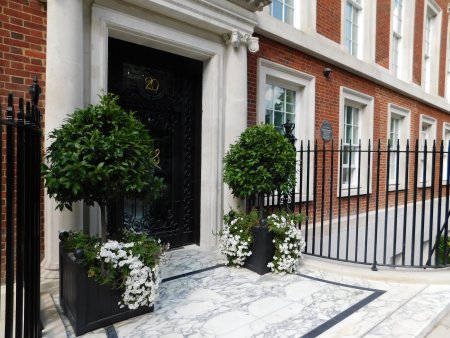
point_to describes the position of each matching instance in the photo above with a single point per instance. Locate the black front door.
(164, 90)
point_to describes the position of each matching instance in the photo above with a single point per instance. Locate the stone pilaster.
(236, 93)
(64, 93)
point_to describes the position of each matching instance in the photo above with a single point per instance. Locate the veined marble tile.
(188, 259)
(407, 321)
(234, 302)
(230, 302)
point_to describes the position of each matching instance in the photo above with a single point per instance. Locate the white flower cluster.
(142, 282)
(233, 245)
(288, 252)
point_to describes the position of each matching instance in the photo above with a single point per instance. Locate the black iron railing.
(21, 189)
(383, 205)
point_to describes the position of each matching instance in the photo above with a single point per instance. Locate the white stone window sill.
(392, 186)
(353, 192)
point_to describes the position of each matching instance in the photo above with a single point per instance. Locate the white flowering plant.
(236, 236)
(288, 241)
(130, 264)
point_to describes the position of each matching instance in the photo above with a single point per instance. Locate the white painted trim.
(183, 41)
(429, 120)
(447, 62)
(434, 6)
(324, 49)
(214, 15)
(432, 122)
(445, 128)
(308, 17)
(366, 105)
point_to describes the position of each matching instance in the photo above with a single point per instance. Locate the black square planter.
(262, 249)
(87, 304)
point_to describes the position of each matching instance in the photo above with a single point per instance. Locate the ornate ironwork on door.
(165, 92)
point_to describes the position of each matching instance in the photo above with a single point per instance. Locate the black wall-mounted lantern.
(288, 129)
(327, 72)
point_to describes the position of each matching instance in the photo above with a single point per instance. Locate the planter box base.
(87, 304)
(262, 250)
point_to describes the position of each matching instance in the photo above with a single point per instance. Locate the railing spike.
(28, 112)
(20, 113)
(10, 109)
(35, 91)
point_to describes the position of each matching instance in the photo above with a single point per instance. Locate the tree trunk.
(261, 205)
(103, 222)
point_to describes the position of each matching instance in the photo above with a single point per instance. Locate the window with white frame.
(427, 51)
(430, 68)
(446, 150)
(280, 105)
(300, 14)
(286, 94)
(427, 136)
(447, 80)
(397, 34)
(358, 27)
(356, 128)
(393, 146)
(398, 135)
(350, 146)
(284, 10)
(402, 38)
(352, 19)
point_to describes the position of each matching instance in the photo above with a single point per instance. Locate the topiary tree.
(99, 154)
(261, 161)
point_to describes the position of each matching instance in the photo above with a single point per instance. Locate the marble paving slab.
(188, 259)
(407, 322)
(227, 302)
(200, 297)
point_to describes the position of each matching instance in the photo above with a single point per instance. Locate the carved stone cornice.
(217, 16)
(237, 38)
(252, 5)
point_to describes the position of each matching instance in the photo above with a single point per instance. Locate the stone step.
(417, 317)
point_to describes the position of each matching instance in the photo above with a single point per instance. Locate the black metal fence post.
(10, 187)
(288, 128)
(22, 190)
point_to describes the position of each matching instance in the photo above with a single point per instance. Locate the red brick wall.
(22, 55)
(329, 25)
(443, 50)
(418, 41)
(22, 46)
(383, 32)
(327, 108)
(328, 19)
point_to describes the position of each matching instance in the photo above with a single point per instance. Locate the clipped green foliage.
(261, 161)
(100, 153)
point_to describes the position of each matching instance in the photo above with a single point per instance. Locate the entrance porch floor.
(200, 297)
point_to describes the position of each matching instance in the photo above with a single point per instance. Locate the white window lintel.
(427, 119)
